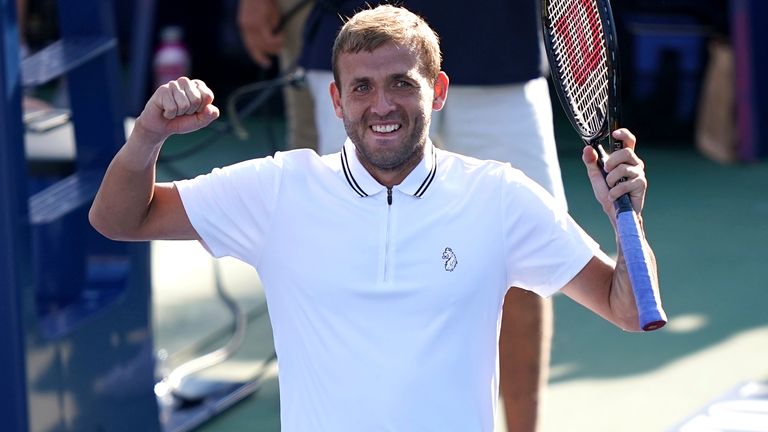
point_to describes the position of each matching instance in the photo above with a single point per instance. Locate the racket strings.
(576, 34)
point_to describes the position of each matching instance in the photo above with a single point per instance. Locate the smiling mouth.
(388, 128)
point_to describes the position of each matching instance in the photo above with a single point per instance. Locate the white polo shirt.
(386, 316)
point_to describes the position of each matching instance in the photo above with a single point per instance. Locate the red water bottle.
(172, 57)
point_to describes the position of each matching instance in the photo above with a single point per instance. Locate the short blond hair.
(374, 27)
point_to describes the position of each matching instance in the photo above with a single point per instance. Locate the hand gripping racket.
(580, 40)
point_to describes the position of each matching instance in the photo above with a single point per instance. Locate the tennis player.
(385, 265)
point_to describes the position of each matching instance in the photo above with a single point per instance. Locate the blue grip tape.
(651, 315)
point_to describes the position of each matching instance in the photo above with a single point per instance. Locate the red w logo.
(581, 45)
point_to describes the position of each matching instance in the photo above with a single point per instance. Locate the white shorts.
(509, 123)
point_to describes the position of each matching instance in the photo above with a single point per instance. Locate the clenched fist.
(178, 107)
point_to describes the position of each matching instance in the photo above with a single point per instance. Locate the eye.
(403, 84)
(361, 88)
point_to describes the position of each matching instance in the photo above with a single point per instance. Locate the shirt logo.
(450, 259)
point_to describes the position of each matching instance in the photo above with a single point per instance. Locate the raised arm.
(603, 285)
(129, 204)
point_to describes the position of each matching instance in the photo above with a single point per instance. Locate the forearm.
(124, 199)
(604, 285)
(129, 204)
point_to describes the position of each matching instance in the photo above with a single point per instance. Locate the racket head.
(581, 45)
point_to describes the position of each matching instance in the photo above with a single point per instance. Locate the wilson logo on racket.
(450, 259)
(582, 50)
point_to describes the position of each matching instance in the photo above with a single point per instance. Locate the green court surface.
(708, 224)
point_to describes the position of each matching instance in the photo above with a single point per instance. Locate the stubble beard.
(408, 153)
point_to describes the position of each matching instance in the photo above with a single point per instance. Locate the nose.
(382, 102)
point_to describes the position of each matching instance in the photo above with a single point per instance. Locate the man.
(501, 110)
(384, 265)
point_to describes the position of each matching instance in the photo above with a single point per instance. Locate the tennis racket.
(580, 40)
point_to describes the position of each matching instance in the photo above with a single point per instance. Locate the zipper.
(386, 238)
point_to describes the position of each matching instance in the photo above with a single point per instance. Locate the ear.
(441, 91)
(336, 99)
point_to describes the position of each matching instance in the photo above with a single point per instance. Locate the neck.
(392, 176)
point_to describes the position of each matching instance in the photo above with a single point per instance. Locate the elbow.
(100, 223)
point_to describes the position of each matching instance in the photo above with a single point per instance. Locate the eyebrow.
(406, 75)
(393, 77)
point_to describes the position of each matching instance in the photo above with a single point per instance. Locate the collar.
(360, 180)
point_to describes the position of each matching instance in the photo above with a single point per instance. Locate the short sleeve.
(545, 247)
(231, 208)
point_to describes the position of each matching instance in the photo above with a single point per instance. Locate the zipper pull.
(389, 195)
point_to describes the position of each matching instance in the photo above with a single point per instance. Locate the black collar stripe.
(431, 176)
(348, 174)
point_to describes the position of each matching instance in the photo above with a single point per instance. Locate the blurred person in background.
(268, 31)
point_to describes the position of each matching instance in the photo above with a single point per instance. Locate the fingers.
(623, 164)
(261, 44)
(178, 107)
(626, 137)
(634, 187)
(628, 142)
(205, 92)
(624, 172)
(184, 97)
(257, 20)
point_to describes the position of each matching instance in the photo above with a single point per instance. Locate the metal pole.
(14, 229)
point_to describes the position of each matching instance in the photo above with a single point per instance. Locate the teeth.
(385, 128)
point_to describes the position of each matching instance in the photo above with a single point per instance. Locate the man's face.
(386, 104)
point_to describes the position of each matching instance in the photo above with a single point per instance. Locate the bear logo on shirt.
(450, 259)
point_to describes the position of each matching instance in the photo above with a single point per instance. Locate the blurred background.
(92, 331)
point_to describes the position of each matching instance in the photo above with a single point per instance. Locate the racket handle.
(651, 315)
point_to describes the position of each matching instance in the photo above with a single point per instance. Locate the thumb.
(595, 173)
(589, 156)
